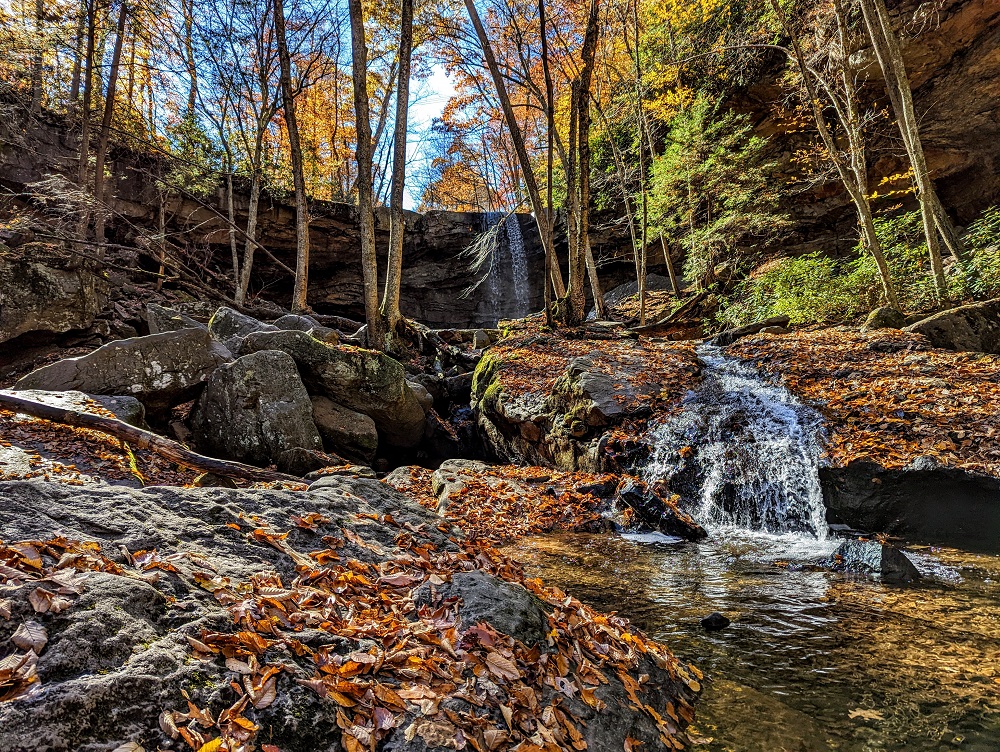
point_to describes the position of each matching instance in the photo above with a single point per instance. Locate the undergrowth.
(817, 289)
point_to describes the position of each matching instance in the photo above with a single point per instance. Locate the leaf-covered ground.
(887, 396)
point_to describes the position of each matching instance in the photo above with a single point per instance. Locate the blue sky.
(426, 103)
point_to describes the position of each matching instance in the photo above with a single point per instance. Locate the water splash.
(508, 292)
(755, 456)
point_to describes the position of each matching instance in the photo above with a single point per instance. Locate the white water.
(756, 451)
(508, 293)
(518, 265)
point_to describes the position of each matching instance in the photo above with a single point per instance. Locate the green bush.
(818, 289)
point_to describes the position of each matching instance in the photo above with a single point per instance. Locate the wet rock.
(160, 370)
(656, 511)
(872, 557)
(923, 502)
(39, 298)
(160, 319)
(885, 317)
(126, 409)
(731, 335)
(253, 409)
(367, 381)
(715, 622)
(971, 328)
(505, 606)
(345, 431)
(230, 327)
(296, 322)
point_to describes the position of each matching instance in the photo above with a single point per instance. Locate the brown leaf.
(500, 666)
(31, 636)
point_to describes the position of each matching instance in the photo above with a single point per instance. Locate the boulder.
(38, 298)
(126, 409)
(253, 409)
(345, 431)
(299, 323)
(731, 335)
(302, 462)
(160, 370)
(872, 557)
(160, 319)
(885, 317)
(451, 477)
(230, 327)
(969, 328)
(505, 606)
(656, 511)
(423, 395)
(367, 381)
(715, 621)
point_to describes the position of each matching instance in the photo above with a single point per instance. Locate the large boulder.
(255, 408)
(299, 323)
(885, 317)
(38, 298)
(230, 327)
(160, 319)
(160, 370)
(367, 381)
(969, 328)
(345, 431)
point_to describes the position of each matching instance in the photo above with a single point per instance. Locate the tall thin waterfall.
(518, 265)
(755, 452)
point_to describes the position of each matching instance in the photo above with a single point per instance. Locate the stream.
(814, 659)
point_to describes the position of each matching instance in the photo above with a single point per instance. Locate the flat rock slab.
(160, 370)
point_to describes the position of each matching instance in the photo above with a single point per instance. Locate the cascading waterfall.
(755, 452)
(508, 294)
(518, 265)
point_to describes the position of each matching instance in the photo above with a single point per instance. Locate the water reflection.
(814, 660)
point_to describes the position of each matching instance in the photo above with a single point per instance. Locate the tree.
(301, 291)
(393, 279)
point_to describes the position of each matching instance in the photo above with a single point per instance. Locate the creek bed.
(814, 660)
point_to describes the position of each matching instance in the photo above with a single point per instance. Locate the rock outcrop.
(969, 328)
(160, 370)
(346, 432)
(253, 409)
(366, 381)
(39, 298)
(231, 327)
(168, 612)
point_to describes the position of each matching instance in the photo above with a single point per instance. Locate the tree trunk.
(187, 9)
(363, 153)
(394, 272)
(552, 271)
(300, 294)
(251, 234)
(897, 83)
(38, 59)
(640, 119)
(231, 213)
(102, 143)
(78, 48)
(142, 439)
(534, 195)
(848, 174)
(575, 293)
(88, 98)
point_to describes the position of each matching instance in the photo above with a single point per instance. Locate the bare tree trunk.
(858, 163)
(251, 233)
(187, 9)
(897, 83)
(366, 209)
(300, 294)
(639, 121)
(36, 63)
(534, 195)
(88, 98)
(552, 272)
(231, 214)
(161, 239)
(78, 47)
(848, 175)
(575, 294)
(105, 135)
(394, 272)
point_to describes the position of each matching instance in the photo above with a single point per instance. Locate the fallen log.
(674, 315)
(142, 439)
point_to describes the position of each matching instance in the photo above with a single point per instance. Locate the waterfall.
(518, 265)
(508, 294)
(754, 454)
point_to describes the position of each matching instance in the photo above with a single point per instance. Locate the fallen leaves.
(887, 396)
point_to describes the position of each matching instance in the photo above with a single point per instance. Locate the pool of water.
(814, 660)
